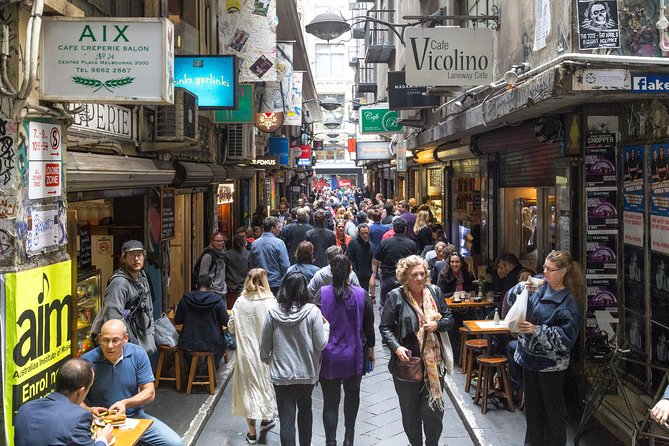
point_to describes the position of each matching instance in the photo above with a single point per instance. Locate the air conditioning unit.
(178, 122)
(238, 141)
(410, 118)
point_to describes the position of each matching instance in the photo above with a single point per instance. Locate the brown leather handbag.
(411, 370)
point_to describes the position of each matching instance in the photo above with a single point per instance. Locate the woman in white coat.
(252, 391)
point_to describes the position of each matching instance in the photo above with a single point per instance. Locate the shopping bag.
(165, 332)
(516, 313)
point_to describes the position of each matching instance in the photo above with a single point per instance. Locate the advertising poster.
(633, 228)
(601, 260)
(600, 160)
(601, 210)
(659, 180)
(659, 287)
(633, 192)
(634, 279)
(602, 294)
(635, 334)
(38, 308)
(598, 25)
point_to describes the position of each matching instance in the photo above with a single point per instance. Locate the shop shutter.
(524, 161)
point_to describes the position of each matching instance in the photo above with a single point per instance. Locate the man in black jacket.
(295, 233)
(359, 251)
(509, 268)
(321, 238)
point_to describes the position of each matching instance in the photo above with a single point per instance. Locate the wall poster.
(602, 214)
(659, 198)
(601, 260)
(598, 25)
(600, 160)
(659, 287)
(634, 279)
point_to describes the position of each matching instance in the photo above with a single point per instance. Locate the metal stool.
(165, 352)
(211, 376)
(487, 367)
(472, 346)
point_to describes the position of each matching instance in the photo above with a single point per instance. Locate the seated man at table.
(57, 418)
(120, 369)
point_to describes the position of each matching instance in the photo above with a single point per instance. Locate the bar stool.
(211, 376)
(462, 359)
(167, 352)
(473, 346)
(488, 365)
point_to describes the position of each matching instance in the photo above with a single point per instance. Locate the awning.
(192, 174)
(91, 172)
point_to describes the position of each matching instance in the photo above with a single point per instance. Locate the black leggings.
(292, 400)
(544, 408)
(331, 398)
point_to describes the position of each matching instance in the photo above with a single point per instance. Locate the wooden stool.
(472, 346)
(211, 377)
(487, 367)
(165, 352)
(462, 359)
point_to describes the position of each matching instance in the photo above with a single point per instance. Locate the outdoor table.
(130, 437)
(465, 305)
(485, 328)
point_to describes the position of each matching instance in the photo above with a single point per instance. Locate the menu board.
(166, 213)
(85, 257)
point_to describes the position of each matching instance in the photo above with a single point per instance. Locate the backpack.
(212, 268)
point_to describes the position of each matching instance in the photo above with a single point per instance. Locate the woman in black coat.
(455, 276)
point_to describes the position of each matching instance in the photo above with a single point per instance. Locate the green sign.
(244, 111)
(379, 119)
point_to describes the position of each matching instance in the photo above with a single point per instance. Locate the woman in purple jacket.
(351, 318)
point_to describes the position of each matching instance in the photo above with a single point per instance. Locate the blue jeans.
(159, 433)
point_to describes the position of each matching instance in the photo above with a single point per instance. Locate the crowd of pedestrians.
(300, 286)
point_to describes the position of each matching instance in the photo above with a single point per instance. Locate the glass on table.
(490, 296)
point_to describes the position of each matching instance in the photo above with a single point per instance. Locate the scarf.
(432, 355)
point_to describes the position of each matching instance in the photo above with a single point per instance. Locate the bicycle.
(606, 374)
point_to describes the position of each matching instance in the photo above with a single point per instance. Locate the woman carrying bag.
(414, 324)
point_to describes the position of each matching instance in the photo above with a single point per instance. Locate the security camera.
(662, 24)
(511, 77)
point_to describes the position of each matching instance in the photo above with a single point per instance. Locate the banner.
(248, 31)
(294, 104)
(38, 305)
(244, 112)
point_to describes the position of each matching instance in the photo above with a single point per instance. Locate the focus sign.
(112, 60)
(379, 119)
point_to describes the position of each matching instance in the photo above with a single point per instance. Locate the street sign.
(379, 119)
(44, 141)
(44, 179)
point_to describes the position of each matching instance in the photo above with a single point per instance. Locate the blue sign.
(304, 162)
(278, 146)
(650, 83)
(212, 78)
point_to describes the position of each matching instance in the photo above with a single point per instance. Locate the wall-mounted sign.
(268, 122)
(379, 119)
(402, 96)
(212, 78)
(373, 150)
(585, 79)
(278, 146)
(317, 144)
(45, 173)
(447, 56)
(304, 157)
(265, 161)
(243, 114)
(91, 59)
(112, 120)
(226, 193)
(167, 214)
(650, 83)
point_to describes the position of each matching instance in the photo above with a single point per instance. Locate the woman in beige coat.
(252, 392)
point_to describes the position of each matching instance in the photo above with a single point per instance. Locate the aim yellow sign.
(38, 306)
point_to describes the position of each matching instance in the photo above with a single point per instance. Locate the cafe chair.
(488, 365)
(473, 347)
(167, 352)
(211, 376)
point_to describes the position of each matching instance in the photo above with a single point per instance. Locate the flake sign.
(109, 60)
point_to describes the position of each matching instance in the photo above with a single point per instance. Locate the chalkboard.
(166, 213)
(85, 257)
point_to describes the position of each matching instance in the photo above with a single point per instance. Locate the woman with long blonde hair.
(422, 230)
(252, 392)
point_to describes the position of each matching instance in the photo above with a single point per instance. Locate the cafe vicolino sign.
(111, 60)
(379, 119)
(446, 56)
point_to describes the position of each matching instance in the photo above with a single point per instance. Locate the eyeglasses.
(135, 255)
(219, 241)
(113, 341)
(551, 270)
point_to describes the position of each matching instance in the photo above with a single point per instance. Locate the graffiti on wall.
(648, 119)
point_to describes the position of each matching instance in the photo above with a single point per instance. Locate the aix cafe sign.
(449, 57)
(379, 119)
(110, 60)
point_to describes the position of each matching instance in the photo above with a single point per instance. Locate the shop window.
(330, 60)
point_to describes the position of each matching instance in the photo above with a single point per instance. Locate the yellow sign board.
(38, 305)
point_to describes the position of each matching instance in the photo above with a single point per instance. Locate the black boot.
(348, 438)
(330, 441)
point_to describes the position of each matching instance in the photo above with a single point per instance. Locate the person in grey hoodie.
(323, 276)
(212, 263)
(293, 337)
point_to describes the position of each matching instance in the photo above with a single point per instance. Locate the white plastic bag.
(516, 313)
